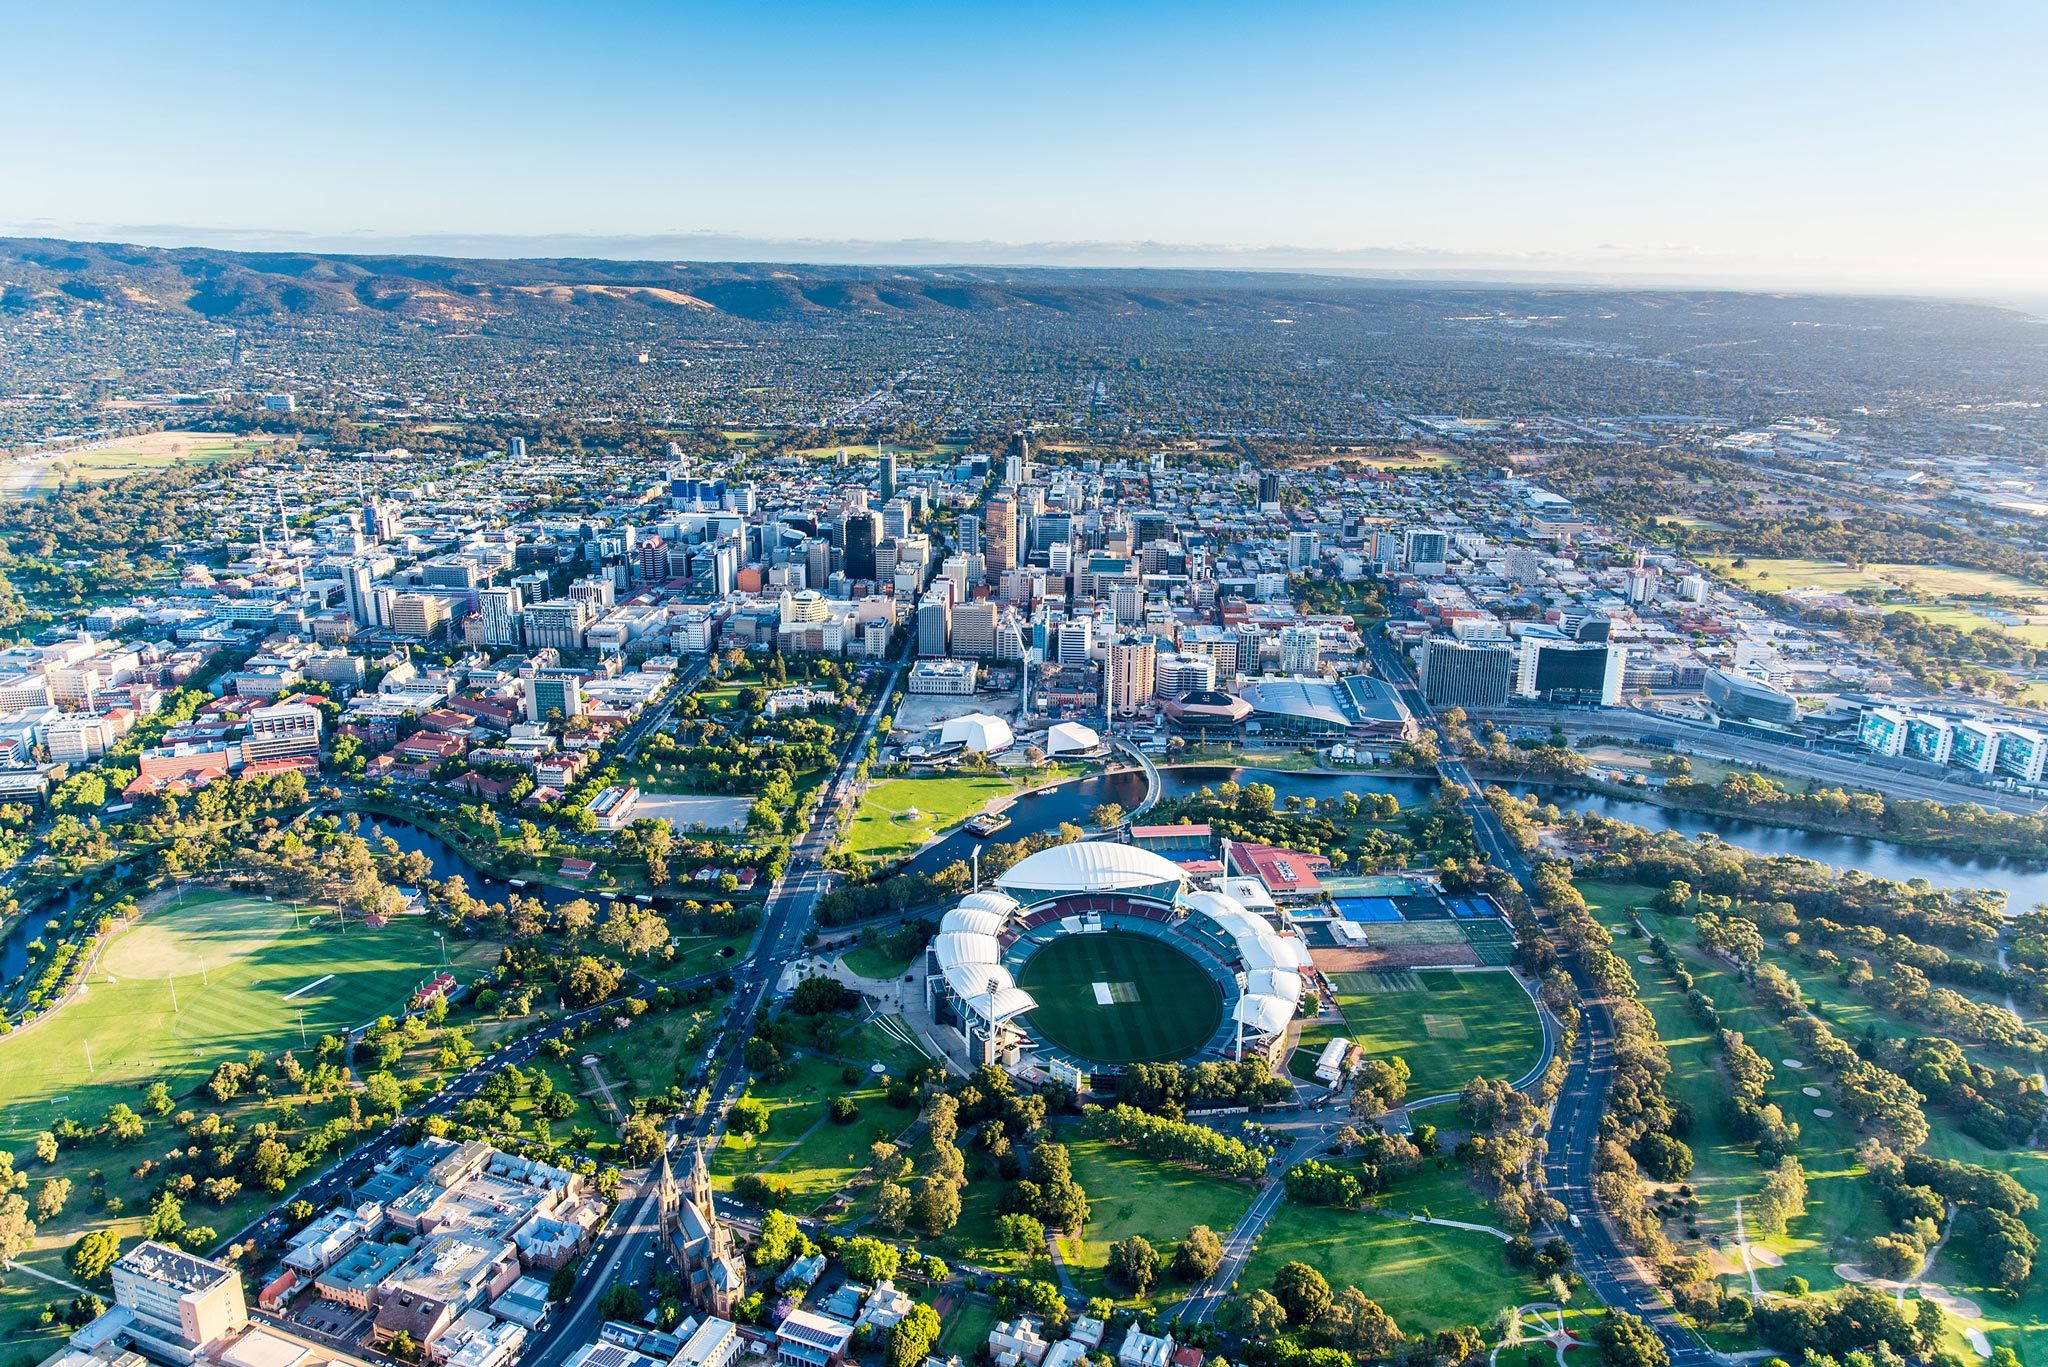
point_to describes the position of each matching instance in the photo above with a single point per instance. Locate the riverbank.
(1765, 816)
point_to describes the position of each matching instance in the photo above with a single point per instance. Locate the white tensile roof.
(1264, 1015)
(989, 991)
(1068, 736)
(977, 731)
(966, 920)
(1091, 866)
(966, 949)
(991, 900)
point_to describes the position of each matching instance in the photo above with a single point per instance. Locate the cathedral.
(698, 1240)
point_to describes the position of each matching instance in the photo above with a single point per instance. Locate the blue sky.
(1844, 143)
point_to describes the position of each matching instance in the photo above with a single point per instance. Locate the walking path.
(1059, 1266)
(1555, 1334)
(42, 1276)
(603, 1090)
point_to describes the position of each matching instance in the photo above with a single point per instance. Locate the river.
(2024, 881)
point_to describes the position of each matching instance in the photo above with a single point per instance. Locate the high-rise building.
(1131, 673)
(1175, 675)
(500, 609)
(934, 624)
(1303, 548)
(1424, 550)
(974, 630)
(887, 462)
(999, 534)
(559, 623)
(1301, 651)
(1075, 641)
(556, 691)
(1456, 674)
(968, 533)
(861, 533)
(177, 1303)
(418, 614)
(1571, 671)
(515, 447)
(1269, 487)
(356, 594)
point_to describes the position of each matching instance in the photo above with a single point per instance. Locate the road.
(1894, 778)
(623, 1251)
(1597, 1255)
(1208, 1297)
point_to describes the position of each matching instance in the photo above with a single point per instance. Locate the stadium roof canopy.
(1092, 866)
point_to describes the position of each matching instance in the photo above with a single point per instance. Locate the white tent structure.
(1070, 738)
(978, 732)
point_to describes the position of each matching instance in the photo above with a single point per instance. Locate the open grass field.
(898, 815)
(241, 975)
(1453, 1025)
(803, 1145)
(1426, 1276)
(1119, 998)
(907, 455)
(1131, 1194)
(120, 458)
(1929, 582)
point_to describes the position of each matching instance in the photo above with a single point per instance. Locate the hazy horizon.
(1825, 146)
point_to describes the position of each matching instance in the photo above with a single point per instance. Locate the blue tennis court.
(1368, 909)
(1472, 908)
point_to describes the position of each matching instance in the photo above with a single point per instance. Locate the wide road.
(1615, 1277)
(629, 1249)
(1893, 778)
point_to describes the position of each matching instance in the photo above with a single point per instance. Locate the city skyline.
(1818, 147)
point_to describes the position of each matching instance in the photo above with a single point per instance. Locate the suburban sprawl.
(601, 814)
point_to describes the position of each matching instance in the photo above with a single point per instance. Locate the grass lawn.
(966, 1328)
(2021, 1324)
(1426, 1276)
(1460, 1025)
(123, 457)
(1161, 1004)
(975, 1239)
(803, 1145)
(876, 961)
(655, 1052)
(1780, 575)
(1131, 1194)
(898, 815)
(241, 974)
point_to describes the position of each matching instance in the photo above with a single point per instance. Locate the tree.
(936, 1206)
(166, 1218)
(748, 1117)
(123, 1125)
(92, 1254)
(46, 1146)
(1198, 1255)
(641, 1141)
(1302, 1293)
(156, 1098)
(1021, 1231)
(622, 1301)
(1626, 1341)
(912, 1338)
(51, 1196)
(17, 1230)
(869, 1260)
(1258, 1315)
(822, 996)
(1359, 1325)
(778, 1242)
(384, 1092)
(1134, 1263)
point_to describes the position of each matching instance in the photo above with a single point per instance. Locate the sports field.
(122, 457)
(1451, 1025)
(1120, 998)
(1927, 582)
(207, 978)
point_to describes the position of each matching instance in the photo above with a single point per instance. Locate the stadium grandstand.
(1088, 957)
